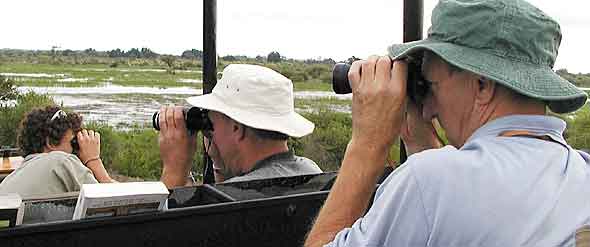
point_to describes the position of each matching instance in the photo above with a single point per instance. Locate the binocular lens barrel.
(340, 83)
(416, 87)
(195, 118)
(156, 120)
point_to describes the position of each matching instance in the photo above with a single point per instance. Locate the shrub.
(11, 115)
(327, 144)
(578, 128)
(131, 153)
(135, 153)
(7, 89)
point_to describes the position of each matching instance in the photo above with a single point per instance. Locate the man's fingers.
(170, 117)
(399, 75)
(354, 75)
(368, 68)
(362, 71)
(179, 117)
(383, 70)
(162, 119)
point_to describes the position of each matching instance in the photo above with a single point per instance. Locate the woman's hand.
(89, 142)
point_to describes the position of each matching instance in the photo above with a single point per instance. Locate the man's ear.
(486, 90)
(239, 130)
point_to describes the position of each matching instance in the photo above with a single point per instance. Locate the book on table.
(115, 199)
(11, 210)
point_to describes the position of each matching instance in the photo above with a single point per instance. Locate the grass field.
(96, 75)
(66, 75)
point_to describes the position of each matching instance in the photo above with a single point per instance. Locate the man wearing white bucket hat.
(507, 178)
(252, 112)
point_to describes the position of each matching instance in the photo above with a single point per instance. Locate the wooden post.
(209, 69)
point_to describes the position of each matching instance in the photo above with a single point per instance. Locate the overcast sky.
(295, 28)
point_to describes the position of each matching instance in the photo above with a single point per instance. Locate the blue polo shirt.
(493, 191)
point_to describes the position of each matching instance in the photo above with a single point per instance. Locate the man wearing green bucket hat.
(508, 177)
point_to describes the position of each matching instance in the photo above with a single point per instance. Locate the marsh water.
(124, 106)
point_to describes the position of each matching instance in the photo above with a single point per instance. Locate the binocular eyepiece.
(195, 118)
(417, 86)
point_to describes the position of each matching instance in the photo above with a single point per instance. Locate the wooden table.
(9, 164)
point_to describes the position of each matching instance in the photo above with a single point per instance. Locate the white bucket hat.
(257, 97)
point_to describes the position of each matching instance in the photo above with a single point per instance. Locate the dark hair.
(37, 127)
(268, 134)
(260, 133)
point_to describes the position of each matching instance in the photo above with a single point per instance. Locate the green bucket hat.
(508, 41)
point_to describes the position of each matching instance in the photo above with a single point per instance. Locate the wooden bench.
(11, 159)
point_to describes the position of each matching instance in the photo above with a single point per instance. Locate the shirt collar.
(35, 155)
(535, 124)
(268, 160)
(278, 156)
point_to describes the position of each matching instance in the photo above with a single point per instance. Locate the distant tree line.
(192, 54)
(133, 53)
(147, 53)
(580, 80)
(316, 70)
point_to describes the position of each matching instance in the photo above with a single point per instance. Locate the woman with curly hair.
(48, 137)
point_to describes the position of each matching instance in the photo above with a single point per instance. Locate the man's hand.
(378, 110)
(177, 146)
(418, 133)
(378, 101)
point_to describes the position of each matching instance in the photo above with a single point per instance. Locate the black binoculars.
(75, 145)
(417, 86)
(195, 118)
